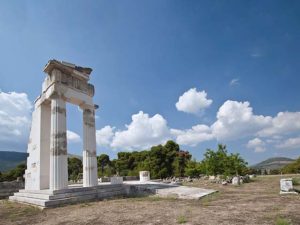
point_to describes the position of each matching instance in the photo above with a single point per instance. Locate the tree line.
(169, 160)
(162, 161)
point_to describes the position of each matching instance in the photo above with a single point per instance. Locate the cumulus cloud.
(283, 123)
(193, 101)
(143, 132)
(257, 144)
(193, 136)
(15, 119)
(104, 136)
(291, 143)
(73, 137)
(236, 120)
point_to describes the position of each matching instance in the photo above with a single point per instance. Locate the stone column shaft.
(58, 145)
(90, 176)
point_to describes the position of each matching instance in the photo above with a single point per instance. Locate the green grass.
(282, 221)
(296, 181)
(181, 219)
(13, 212)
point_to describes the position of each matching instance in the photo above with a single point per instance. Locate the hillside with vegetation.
(9, 160)
(275, 163)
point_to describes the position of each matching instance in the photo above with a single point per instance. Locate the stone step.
(79, 192)
(46, 198)
(62, 201)
(33, 195)
(33, 201)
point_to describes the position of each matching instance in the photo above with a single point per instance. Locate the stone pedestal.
(236, 180)
(286, 184)
(90, 176)
(58, 145)
(144, 176)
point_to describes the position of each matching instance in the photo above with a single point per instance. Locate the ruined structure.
(46, 177)
(47, 166)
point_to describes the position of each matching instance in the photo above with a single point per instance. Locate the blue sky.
(145, 55)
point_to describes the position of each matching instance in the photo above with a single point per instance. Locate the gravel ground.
(254, 203)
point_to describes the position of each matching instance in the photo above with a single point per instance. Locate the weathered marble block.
(144, 176)
(236, 181)
(286, 185)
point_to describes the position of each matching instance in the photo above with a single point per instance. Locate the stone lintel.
(68, 68)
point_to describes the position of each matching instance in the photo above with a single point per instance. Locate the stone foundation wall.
(9, 188)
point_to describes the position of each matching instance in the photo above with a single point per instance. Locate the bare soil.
(256, 203)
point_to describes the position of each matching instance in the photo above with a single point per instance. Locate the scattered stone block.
(236, 180)
(286, 186)
(224, 183)
(211, 178)
(144, 176)
(251, 176)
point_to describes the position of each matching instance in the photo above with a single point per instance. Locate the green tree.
(194, 168)
(221, 163)
(180, 163)
(74, 168)
(103, 163)
(13, 174)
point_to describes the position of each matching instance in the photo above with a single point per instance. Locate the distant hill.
(74, 156)
(9, 160)
(273, 163)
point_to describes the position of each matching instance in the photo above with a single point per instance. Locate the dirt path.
(254, 203)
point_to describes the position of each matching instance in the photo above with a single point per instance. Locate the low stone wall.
(128, 178)
(8, 188)
(125, 178)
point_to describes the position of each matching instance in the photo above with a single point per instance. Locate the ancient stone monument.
(47, 166)
(46, 177)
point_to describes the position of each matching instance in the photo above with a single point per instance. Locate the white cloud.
(73, 137)
(194, 136)
(104, 136)
(234, 81)
(257, 144)
(15, 118)
(283, 123)
(143, 132)
(291, 143)
(236, 120)
(193, 101)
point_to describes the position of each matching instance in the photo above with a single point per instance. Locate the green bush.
(296, 181)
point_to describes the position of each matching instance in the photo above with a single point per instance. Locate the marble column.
(90, 176)
(58, 145)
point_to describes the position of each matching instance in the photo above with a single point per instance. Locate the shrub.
(296, 181)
